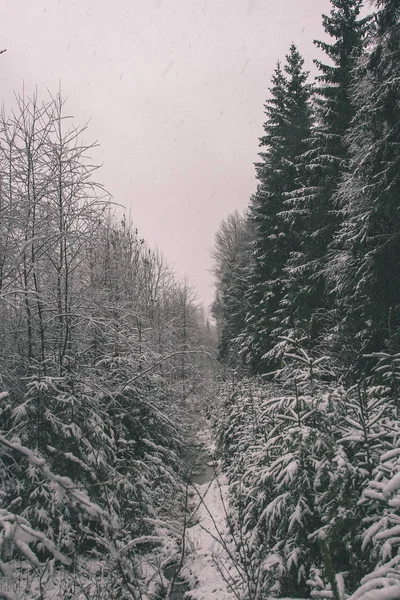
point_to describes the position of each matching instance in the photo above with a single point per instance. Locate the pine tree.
(364, 267)
(287, 126)
(310, 211)
(336, 110)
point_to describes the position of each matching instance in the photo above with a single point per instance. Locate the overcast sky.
(174, 90)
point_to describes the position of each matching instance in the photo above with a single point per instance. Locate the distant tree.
(232, 257)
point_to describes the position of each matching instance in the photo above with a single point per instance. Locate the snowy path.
(205, 551)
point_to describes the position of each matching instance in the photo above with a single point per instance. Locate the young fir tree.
(310, 211)
(287, 126)
(364, 266)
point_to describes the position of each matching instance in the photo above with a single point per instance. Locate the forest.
(117, 390)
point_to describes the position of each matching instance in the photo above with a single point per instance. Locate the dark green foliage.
(311, 211)
(313, 466)
(364, 267)
(325, 220)
(333, 92)
(288, 125)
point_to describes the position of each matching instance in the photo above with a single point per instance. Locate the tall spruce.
(287, 126)
(364, 266)
(310, 210)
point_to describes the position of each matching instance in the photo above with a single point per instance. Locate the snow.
(382, 589)
(207, 556)
(209, 566)
(392, 486)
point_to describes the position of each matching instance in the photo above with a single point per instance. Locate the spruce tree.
(287, 126)
(364, 266)
(310, 210)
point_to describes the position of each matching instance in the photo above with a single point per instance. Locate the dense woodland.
(108, 364)
(308, 313)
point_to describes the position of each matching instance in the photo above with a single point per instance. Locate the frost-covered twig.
(158, 362)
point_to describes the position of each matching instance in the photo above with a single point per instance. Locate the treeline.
(101, 344)
(317, 253)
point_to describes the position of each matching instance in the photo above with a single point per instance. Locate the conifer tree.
(364, 266)
(287, 126)
(310, 211)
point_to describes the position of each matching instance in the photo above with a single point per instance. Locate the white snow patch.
(206, 554)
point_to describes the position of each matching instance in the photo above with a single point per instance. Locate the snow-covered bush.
(17, 536)
(382, 535)
(272, 441)
(299, 453)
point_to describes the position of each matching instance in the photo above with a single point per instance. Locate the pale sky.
(174, 90)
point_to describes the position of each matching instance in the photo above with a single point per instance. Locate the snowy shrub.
(299, 452)
(382, 536)
(271, 444)
(18, 536)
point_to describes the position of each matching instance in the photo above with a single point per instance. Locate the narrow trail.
(208, 569)
(200, 576)
(206, 560)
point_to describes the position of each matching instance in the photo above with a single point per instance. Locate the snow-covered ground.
(207, 558)
(208, 567)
